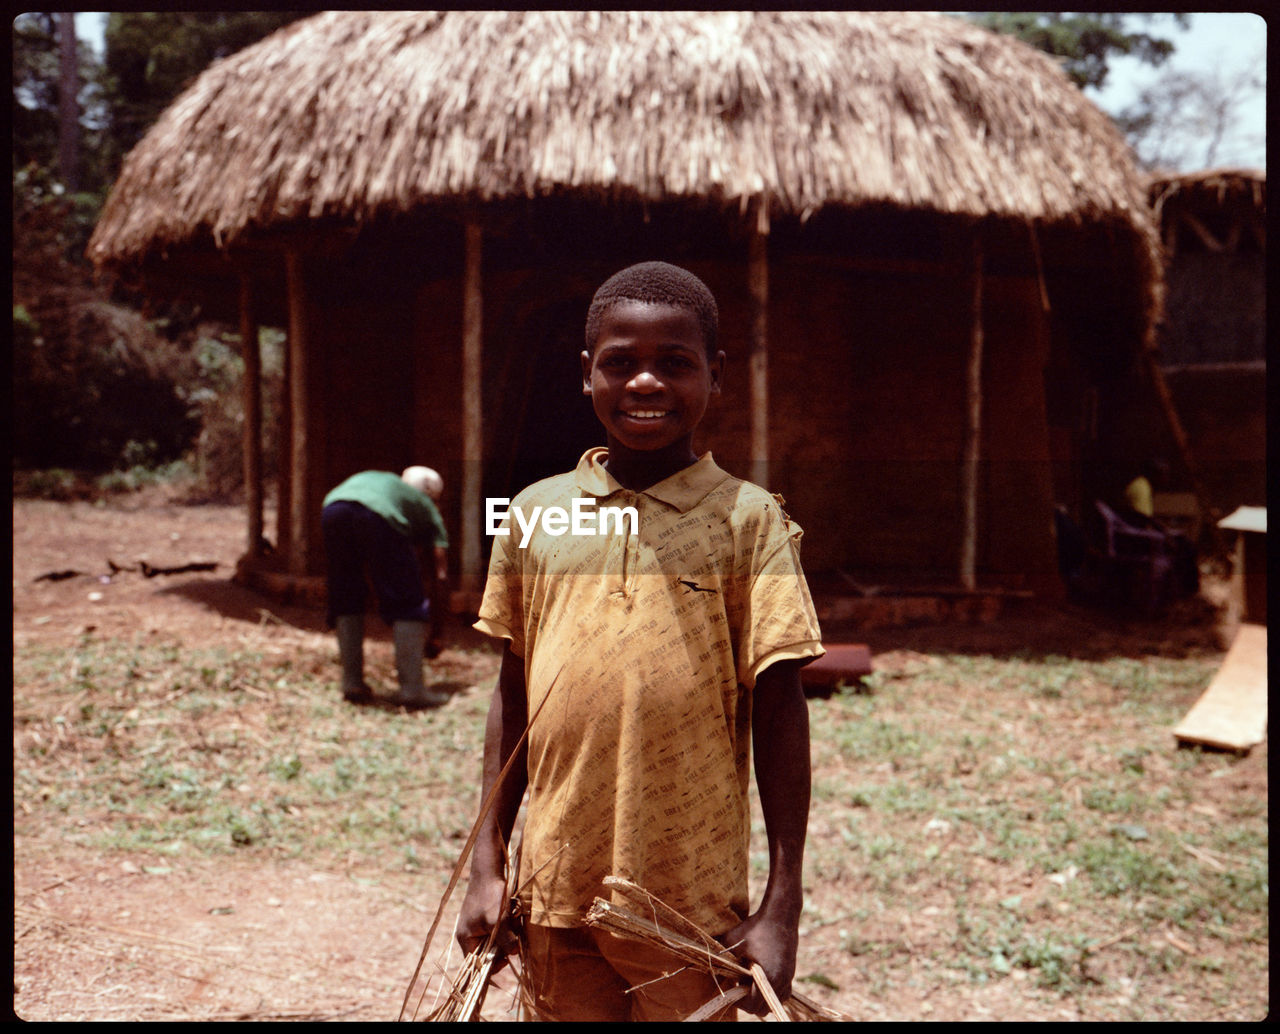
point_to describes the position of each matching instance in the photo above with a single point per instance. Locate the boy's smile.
(650, 380)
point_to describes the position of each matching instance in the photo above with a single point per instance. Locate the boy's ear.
(586, 373)
(717, 372)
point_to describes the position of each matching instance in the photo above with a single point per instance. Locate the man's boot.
(409, 639)
(350, 630)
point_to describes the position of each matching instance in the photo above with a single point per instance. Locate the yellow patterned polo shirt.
(644, 637)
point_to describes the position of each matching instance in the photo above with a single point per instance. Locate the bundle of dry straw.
(466, 996)
(690, 945)
(467, 993)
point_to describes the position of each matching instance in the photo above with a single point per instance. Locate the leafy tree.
(38, 93)
(1084, 42)
(97, 385)
(35, 90)
(57, 142)
(152, 56)
(88, 377)
(1186, 119)
(41, 122)
(68, 102)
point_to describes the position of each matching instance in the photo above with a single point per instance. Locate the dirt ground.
(106, 937)
(137, 937)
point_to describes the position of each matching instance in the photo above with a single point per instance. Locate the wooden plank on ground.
(1232, 712)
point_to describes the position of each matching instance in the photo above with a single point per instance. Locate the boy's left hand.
(771, 943)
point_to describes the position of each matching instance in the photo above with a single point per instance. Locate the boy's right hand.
(485, 905)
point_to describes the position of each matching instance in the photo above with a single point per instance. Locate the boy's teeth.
(644, 413)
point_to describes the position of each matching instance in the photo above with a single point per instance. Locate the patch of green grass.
(939, 785)
(1008, 794)
(993, 943)
(1117, 800)
(1116, 866)
(146, 744)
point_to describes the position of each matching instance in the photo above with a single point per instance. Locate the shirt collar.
(682, 490)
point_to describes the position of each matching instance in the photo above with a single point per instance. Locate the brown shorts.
(580, 974)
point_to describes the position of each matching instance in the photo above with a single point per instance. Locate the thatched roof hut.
(750, 145)
(1213, 340)
(1234, 200)
(351, 114)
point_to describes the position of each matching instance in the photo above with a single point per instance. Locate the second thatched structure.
(933, 256)
(1213, 344)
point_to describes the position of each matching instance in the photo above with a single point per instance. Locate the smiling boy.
(655, 661)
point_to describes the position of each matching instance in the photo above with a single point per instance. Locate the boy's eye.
(670, 365)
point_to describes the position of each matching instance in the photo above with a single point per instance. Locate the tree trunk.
(68, 103)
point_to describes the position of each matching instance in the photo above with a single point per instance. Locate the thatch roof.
(1209, 187)
(1219, 210)
(354, 114)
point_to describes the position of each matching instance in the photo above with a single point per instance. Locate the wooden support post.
(1151, 366)
(252, 413)
(471, 577)
(284, 461)
(299, 537)
(758, 283)
(972, 430)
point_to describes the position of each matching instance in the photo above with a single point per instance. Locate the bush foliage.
(104, 394)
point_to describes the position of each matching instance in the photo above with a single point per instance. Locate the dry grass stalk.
(767, 991)
(699, 950)
(645, 901)
(1213, 186)
(435, 922)
(465, 853)
(467, 994)
(466, 997)
(721, 1001)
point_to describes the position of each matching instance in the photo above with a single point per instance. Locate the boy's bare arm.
(780, 741)
(508, 715)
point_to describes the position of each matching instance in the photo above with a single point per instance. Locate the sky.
(1217, 43)
(1212, 44)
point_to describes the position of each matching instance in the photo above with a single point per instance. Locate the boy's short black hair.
(656, 283)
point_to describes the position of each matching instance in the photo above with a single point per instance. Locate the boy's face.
(650, 377)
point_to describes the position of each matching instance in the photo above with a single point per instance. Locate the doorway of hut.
(544, 423)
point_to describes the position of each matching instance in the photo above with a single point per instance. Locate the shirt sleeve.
(425, 523)
(502, 606)
(780, 622)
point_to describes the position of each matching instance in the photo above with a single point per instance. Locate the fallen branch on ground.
(150, 572)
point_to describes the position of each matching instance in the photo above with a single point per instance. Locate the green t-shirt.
(410, 512)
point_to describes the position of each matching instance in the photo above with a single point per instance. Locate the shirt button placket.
(633, 543)
(618, 556)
